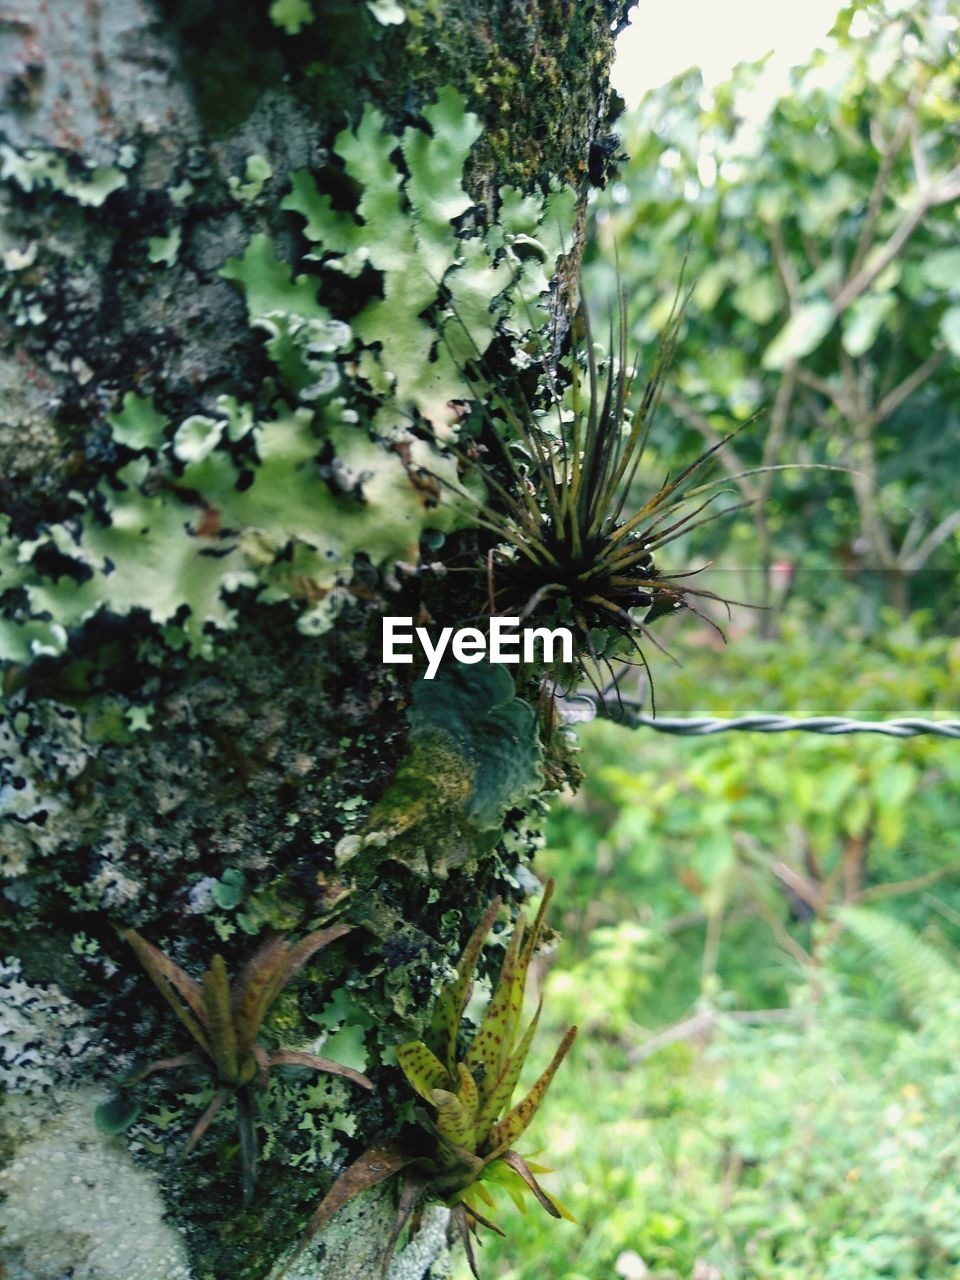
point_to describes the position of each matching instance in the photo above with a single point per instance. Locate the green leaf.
(507, 1131)
(453, 998)
(758, 298)
(501, 1093)
(941, 270)
(894, 784)
(802, 333)
(494, 1040)
(950, 329)
(468, 1094)
(453, 1121)
(220, 1027)
(862, 321)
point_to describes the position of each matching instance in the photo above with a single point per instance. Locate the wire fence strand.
(704, 726)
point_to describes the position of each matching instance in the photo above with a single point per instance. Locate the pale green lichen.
(38, 168)
(163, 250)
(486, 280)
(188, 523)
(257, 174)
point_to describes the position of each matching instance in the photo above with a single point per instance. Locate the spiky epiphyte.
(466, 1143)
(225, 1023)
(568, 542)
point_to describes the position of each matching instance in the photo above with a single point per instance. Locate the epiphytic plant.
(559, 506)
(468, 1140)
(225, 1022)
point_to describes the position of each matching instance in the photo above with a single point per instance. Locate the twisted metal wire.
(703, 726)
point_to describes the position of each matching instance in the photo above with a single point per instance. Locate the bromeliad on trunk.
(465, 1141)
(225, 1020)
(571, 542)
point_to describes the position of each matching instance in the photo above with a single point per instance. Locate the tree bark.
(202, 798)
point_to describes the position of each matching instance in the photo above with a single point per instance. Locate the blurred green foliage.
(797, 1119)
(823, 251)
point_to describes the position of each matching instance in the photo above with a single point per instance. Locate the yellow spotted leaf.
(467, 1093)
(509, 1129)
(500, 1095)
(423, 1068)
(453, 1122)
(493, 1042)
(442, 1036)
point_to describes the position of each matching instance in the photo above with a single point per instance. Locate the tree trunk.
(189, 748)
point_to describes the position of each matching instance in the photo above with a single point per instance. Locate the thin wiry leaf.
(249, 1148)
(297, 1058)
(206, 1119)
(459, 1216)
(520, 1166)
(423, 1068)
(565, 534)
(508, 1130)
(414, 1187)
(190, 1059)
(181, 992)
(374, 1166)
(301, 952)
(477, 1217)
